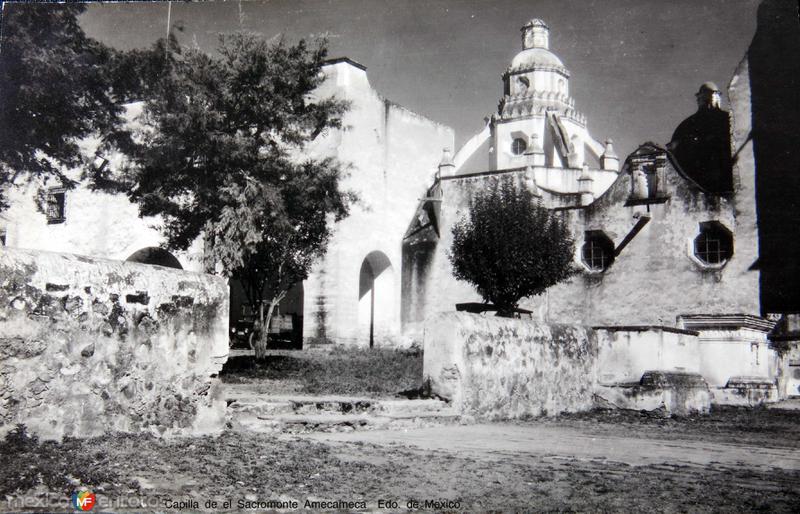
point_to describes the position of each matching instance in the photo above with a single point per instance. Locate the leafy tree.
(220, 154)
(510, 247)
(55, 90)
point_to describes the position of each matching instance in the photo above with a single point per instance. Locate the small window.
(714, 244)
(518, 146)
(55, 205)
(523, 85)
(598, 251)
(2, 237)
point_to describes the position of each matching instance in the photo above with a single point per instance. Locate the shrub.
(510, 247)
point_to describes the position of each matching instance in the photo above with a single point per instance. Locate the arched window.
(597, 252)
(155, 256)
(518, 146)
(714, 244)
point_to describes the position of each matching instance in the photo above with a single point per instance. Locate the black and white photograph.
(400, 256)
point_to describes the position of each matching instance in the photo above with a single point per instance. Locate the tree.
(510, 247)
(55, 91)
(220, 154)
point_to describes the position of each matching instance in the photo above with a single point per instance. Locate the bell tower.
(536, 116)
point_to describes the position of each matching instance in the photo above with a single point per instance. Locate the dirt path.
(731, 461)
(521, 442)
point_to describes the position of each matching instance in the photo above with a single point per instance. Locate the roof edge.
(337, 60)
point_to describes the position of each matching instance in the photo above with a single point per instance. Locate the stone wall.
(500, 368)
(89, 346)
(627, 353)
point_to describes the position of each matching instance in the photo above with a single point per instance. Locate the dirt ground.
(732, 461)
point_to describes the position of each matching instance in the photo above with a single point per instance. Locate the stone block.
(674, 393)
(500, 368)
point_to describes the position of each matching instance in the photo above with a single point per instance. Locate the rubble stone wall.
(89, 346)
(500, 368)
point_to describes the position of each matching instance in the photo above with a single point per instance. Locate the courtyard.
(734, 460)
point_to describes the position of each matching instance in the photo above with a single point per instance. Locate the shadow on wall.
(775, 82)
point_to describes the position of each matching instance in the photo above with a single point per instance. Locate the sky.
(635, 64)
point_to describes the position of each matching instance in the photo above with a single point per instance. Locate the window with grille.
(518, 146)
(56, 198)
(714, 244)
(598, 251)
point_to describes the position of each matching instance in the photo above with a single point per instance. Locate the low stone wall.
(627, 353)
(509, 368)
(89, 346)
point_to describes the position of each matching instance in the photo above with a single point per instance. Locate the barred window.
(714, 244)
(518, 146)
(56, 198)
(598, 251)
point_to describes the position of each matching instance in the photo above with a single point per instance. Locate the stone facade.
(89, 346)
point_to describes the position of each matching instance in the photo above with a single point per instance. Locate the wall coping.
(86, 259)
(646, 328)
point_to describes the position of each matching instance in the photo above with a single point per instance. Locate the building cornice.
(725, 322)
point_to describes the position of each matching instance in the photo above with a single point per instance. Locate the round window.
(518, 146)
(597, 251)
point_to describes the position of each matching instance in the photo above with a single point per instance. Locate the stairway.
(250, 409)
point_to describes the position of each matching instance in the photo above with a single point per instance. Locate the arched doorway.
(155, 256)
(286, 326)
(376, 298)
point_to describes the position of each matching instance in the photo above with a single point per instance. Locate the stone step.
(249, 408)
(303, 423)
(391, 408)
(247, 400)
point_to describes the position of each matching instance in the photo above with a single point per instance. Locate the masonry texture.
(89, 346)
(500, 368)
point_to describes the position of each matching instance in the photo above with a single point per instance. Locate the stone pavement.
(518, 442)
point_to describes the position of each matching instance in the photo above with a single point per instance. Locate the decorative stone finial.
(708, 96)
(446, 166)
(609, 160)
(609, 149)
(535, 152)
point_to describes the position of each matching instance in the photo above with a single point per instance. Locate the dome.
(536, 58)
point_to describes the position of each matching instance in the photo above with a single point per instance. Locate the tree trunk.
(262, 338)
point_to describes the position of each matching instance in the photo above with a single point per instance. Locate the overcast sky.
(635, 64)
